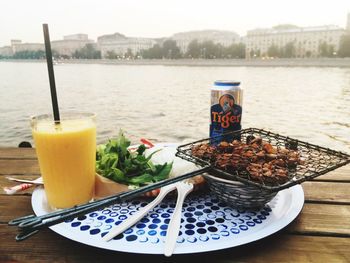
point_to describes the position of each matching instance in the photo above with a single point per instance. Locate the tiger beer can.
(225, 111)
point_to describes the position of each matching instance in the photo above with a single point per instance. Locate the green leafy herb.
(116, 162)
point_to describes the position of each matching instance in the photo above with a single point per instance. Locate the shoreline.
(319, 62)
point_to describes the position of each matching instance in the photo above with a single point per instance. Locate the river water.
(171, 103)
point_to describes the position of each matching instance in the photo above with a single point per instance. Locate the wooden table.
(321, 233)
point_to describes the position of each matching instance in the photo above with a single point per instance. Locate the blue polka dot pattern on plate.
(75, 224)
(131, 238)
(94, 231)
(84, 228)
(204, 219)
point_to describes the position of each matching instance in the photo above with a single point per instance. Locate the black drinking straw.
(56, 113)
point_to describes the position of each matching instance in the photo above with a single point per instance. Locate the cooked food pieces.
(263, 162)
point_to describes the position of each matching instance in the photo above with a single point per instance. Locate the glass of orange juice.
(66, 152)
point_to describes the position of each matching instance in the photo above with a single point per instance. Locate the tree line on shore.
(195, 50)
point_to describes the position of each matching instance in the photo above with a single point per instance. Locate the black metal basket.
(239, 189)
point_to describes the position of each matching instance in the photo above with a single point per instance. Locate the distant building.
(67, 46)
(6, 51)
(225, 38)
(243, 39)
(76, 37)
(18, 46)
(306, 40)
(70, 44)
(119, 44)
(16, 42)
(28, 47)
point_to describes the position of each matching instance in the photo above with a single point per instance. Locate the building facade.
(18, 46)
(225, 38)
(65, 47)
(306, 41)
(27, 47)
(76, 37)
(70, 44)
(119, 44)
(6, 51)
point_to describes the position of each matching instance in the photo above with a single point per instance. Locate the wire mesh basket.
(240, 189)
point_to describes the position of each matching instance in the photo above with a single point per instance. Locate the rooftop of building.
(211, 32)
(292, 29)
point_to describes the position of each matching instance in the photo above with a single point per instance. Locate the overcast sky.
(22, 19)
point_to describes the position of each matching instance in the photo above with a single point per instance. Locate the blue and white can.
(225, 110)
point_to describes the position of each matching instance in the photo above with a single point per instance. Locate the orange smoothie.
(66, 153)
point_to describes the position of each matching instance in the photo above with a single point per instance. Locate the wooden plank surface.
(9, 164)
(277, 248)
(17, 153)
(331, 192)
(340, 174)
(24, 166)
(321, 219)
(14, 206)
(321, 233)
(327, 192)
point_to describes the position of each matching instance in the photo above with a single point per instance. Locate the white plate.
(207, 224)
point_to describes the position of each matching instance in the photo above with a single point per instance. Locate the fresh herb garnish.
(116, 162)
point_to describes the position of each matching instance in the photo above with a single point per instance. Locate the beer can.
(225, 110)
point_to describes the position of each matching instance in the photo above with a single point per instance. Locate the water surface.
(171, 103)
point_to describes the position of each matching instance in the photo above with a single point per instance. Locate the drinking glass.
(66, 151)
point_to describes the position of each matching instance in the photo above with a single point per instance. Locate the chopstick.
(31, 224)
